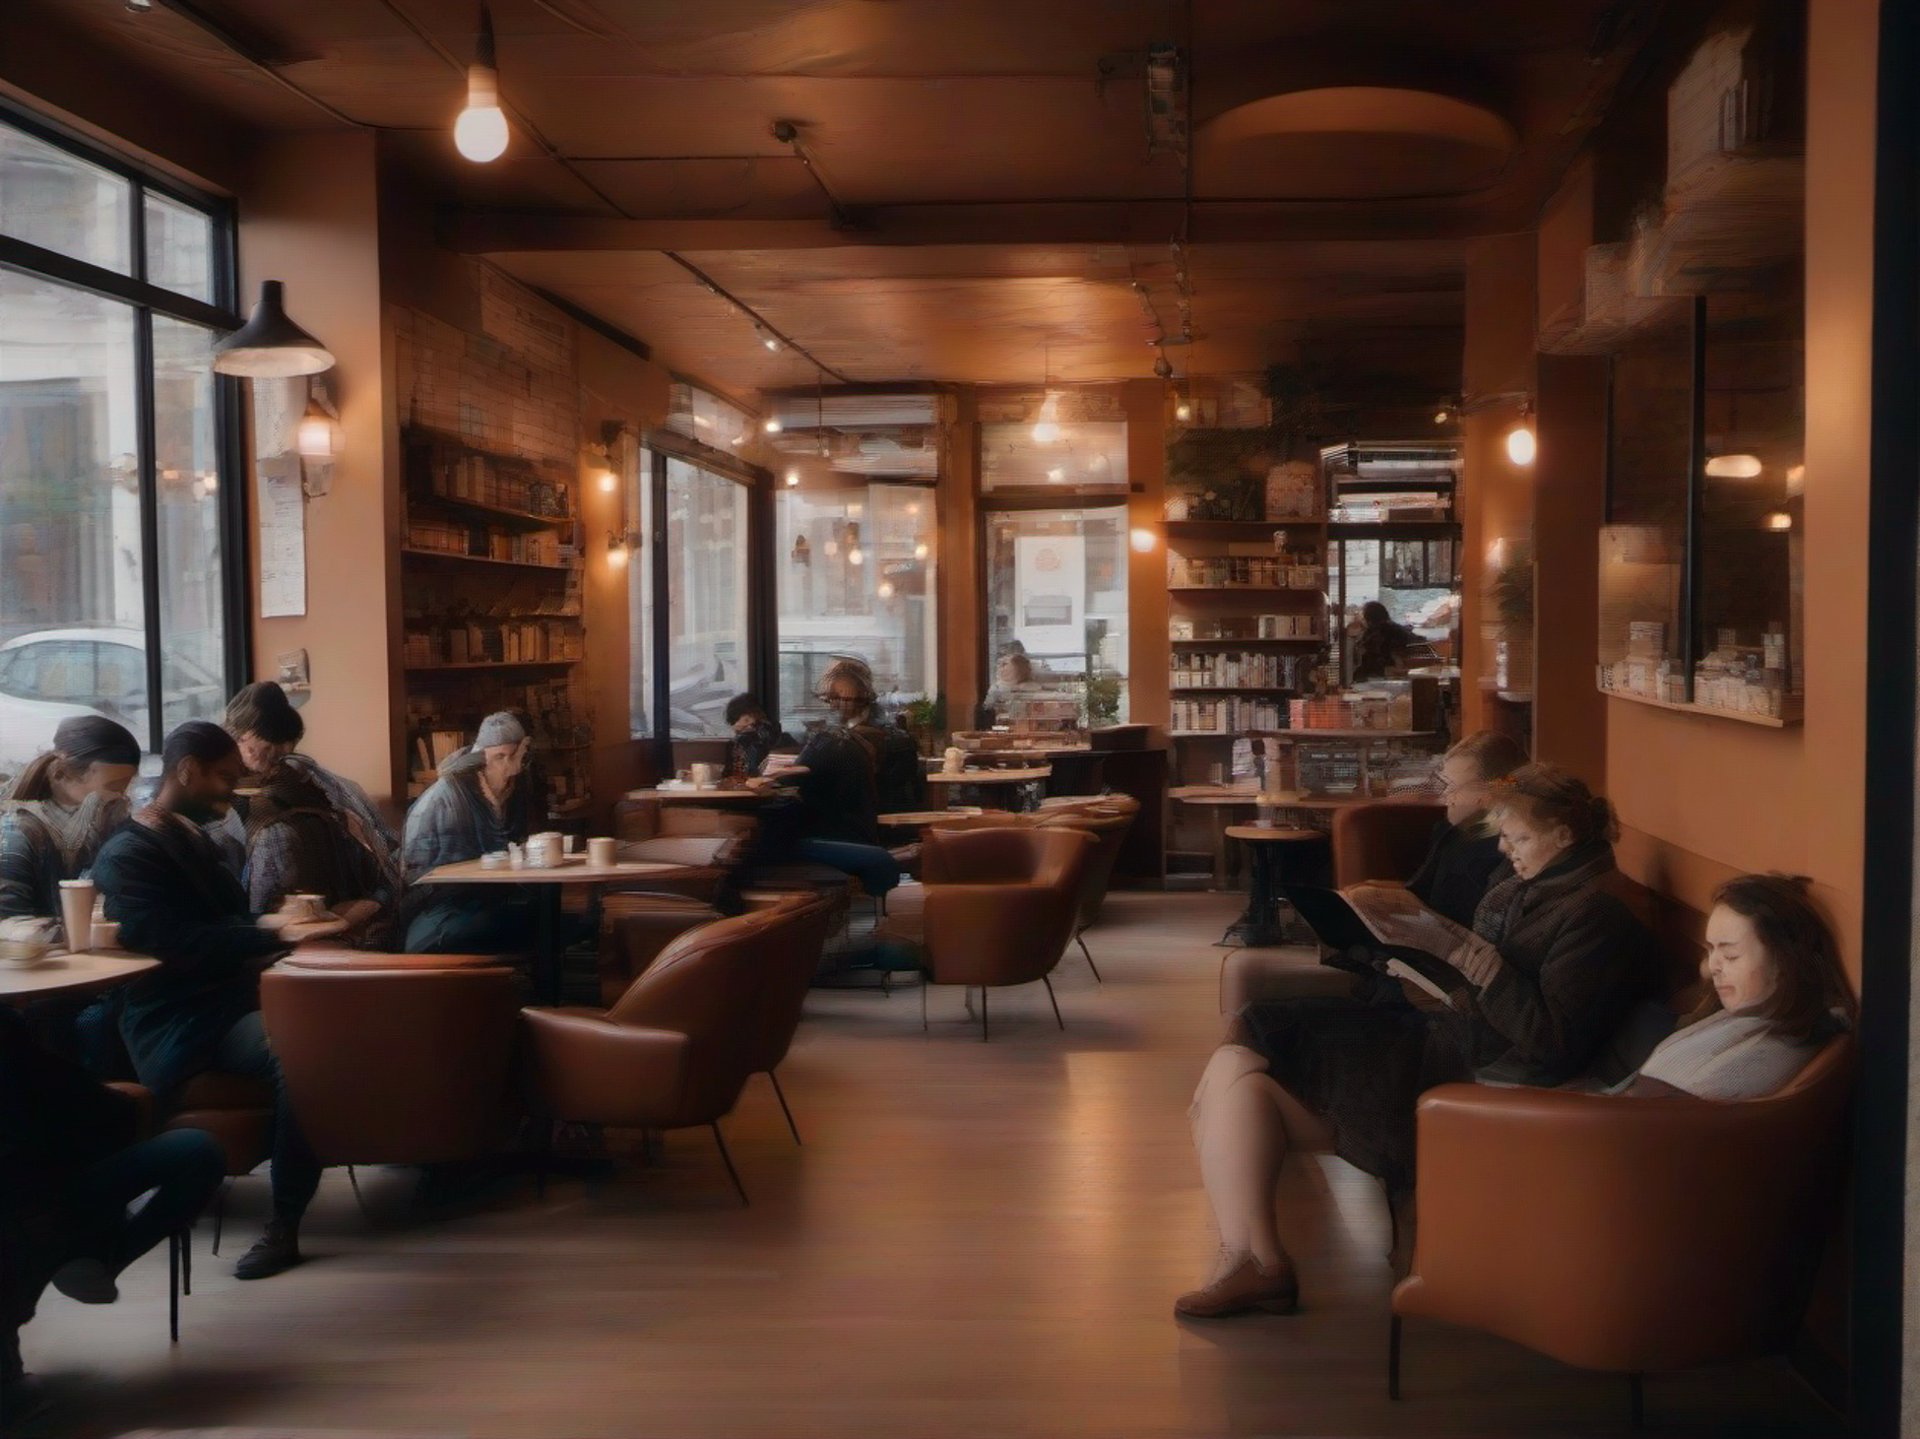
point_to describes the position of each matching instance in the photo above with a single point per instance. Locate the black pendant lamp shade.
(270, 346)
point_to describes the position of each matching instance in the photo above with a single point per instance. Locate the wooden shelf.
(489, 665)
(460, 559)
(522, 519)
(1707, 711)
(1242, 590)
(1231, 690)
(1235, 529)
(1231, 641)
(426, 435)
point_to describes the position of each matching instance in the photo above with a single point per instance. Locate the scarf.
(75, 831)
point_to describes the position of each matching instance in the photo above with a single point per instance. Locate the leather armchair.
(1108, 824)
(673, 1052)
(1001, 905)
(1623, 1234)
(395, 1065)
(791, 946)
(1382, 841)
(644, 925)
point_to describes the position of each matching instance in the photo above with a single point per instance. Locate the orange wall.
(1704, 796)
(1149, 668)
(1496, 496)
(1570, 481)
(960, 583)
(309, 217)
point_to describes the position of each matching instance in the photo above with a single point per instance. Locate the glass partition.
(707, 562)
(1057, 616)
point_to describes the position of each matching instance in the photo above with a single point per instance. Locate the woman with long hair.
(57, 813)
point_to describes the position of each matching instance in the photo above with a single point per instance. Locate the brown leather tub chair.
(1382, 841)
(1001, 905)
(673, 1052)
(1633, 1236)
(392, 1062)
(1108, 822)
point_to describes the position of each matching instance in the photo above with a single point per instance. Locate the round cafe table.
(1260, 926)
(1012, 789)
(546, 883)
(63, 973)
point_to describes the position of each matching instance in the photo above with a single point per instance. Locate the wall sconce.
(1521, 444)
(270, 346)
(1733, 467)
(619, 549)
(1143, 540)
(317, 435)
(793, 478)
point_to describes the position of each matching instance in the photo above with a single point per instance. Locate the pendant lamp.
(270, 346)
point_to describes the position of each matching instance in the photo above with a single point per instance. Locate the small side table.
(1260, 926)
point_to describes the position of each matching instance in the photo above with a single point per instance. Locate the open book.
(1409, 938)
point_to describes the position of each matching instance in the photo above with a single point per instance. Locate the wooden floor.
(975, 1240)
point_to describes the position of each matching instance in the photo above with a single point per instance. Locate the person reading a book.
(1548, 971)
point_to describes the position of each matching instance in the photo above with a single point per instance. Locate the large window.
(114, 503)
(856, 571)
(1057, 616)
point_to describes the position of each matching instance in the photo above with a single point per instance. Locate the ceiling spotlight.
(481, 131)
(772, 425)
(1056, 474)
(768, 339)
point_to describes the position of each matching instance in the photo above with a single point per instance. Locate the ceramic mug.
(705, 775)
(302, 907)
(601, 852)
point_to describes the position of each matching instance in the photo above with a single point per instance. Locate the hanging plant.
(1233, 464)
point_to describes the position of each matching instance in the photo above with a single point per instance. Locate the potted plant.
(926, 720)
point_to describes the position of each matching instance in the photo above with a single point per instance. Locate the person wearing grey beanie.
(480, 803)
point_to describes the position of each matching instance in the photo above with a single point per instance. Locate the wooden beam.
(1068, 222)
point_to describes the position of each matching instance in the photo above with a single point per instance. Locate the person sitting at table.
(1385, 646)
(476, 807)
(1547, 974)
(55, 816)
(755, 736)
(299, 843)
(269, 730)
(164, 881)
(838, 814)
(71, 1165)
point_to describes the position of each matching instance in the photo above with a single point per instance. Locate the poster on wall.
(1050, 594)
(281, 502)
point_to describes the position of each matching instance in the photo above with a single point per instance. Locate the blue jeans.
(868, 863)
(294, 1173)
(183, 1168)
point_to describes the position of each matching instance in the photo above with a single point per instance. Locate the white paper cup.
(76, 913)
(106, 934)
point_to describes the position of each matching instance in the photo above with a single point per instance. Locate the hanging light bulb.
(313, 437)
(1442, 415)
(793, 478)
(884, 589)
(1183, 411)
(1046, 428)
(856, 556)
(1521, 446)
(481, 131)
(920, 551)
(772, 425)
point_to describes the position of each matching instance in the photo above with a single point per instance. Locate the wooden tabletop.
(993, 776)
(62, 973)
(1272, 833)
(575, 869)
(716, 794)
(909, 818)
(1206, 794)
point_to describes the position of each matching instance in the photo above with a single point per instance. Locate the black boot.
(276, 1250)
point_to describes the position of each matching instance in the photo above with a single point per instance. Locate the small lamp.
(270, 346)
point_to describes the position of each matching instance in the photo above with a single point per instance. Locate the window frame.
(146, 301)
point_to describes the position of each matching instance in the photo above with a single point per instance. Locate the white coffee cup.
(302, 907)
(954, 760)
(601, 852)
(106, 934)
(76, 913)
(705, 775)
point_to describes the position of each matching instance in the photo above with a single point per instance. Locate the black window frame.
(148, 300)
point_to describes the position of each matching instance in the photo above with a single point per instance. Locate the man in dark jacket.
(163, 879)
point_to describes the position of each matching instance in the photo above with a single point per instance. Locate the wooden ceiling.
(987, 201)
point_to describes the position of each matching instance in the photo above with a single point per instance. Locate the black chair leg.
(173, 1288)
(358, 1198)
(781, 1095)
(185, 1241)
(1080, 940)
(1047, 980)
(727, 1159)
(1393, 1357)
(983, 1014)
(926, 983)
(1639, 1399)
(220, 1212)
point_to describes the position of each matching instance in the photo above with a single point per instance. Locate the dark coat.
(178, 902)
(837, 799)
(1459, 864)
(899, 781)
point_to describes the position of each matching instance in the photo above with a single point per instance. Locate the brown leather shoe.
(1248, 1286)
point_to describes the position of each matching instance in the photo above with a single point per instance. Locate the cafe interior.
(853, 688)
